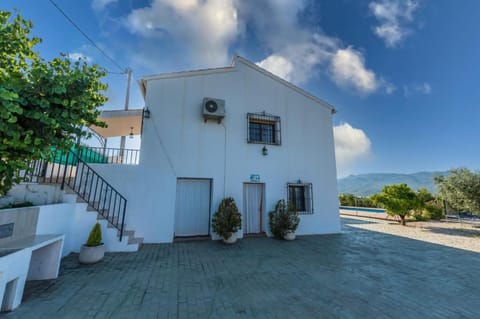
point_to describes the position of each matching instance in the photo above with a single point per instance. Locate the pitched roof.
(237, 59)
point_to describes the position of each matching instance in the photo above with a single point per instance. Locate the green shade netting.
(86, 154)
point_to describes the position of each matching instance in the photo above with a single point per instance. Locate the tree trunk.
(402, 220)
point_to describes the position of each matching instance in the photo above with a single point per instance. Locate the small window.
(300, 196)
(263, 128)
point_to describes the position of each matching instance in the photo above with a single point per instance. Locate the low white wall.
(60, 219)
(32, 192)
(73, 220)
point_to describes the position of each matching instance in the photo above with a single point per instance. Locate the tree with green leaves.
(43, 104)
(429, 207)
(398, 200)
(461, 189)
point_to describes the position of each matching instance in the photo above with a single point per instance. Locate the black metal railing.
(108, 155)
(68, 168)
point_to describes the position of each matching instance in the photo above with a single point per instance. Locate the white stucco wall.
(75, 222)
(176, 143)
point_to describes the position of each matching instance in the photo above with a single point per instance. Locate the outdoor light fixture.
(131, 132)
(264, 150)
(146, 113)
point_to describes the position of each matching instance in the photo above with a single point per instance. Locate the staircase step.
(129, 233)
(80, 183)
(110, 220)
(135, 240)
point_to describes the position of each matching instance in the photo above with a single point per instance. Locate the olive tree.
(398, 200)
(461, 189)
(43, 104)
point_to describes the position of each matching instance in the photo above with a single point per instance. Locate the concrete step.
(131, 242)
(135, 241)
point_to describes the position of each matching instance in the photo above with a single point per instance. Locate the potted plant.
(284, 220)
(93, 250)
(227, 220)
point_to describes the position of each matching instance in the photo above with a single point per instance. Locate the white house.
(273, 141)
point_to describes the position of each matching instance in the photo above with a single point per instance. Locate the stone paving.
(356, 274)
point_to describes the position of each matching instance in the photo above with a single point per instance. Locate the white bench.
(35, 257)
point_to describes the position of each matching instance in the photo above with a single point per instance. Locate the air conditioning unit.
(213, 109)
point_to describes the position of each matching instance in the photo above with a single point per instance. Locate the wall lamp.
(131, 132)
(264, 150)
(146, 113)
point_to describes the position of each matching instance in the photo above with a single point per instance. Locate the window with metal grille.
(263, 128)
(300, 196)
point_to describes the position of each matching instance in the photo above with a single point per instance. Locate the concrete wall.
(76, 222)
(35, 193)
(177, 143)
(71, 219)
(24, 220)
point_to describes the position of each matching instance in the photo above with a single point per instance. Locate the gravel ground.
(447, 233)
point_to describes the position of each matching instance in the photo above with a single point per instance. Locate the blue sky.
(403, 74)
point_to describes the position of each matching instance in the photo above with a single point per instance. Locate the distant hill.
(369, 184)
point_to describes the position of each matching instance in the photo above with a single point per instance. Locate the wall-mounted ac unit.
(213, 109)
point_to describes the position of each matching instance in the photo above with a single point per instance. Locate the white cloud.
(389, 87)
(351, 145)
(278, 65)
(297, 62)
(393, 17)
(424, 88)
(298, 54)
(418, 88)
(348, 69)
(99, 5)
(74, 56)
(206, 28)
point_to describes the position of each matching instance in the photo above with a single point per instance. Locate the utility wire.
(111, 72)
(87, 37)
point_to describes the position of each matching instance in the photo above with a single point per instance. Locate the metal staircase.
(71, 169)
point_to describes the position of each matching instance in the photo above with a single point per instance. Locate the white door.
(192, 213)
(253, 204)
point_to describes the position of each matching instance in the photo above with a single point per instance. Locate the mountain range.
(369, 184)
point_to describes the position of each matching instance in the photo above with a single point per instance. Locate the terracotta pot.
(91, 254)
(289, 235)
(231, 240)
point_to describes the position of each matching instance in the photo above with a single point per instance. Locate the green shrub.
(19, 205)
(95, 237)
(283, 219)
(420, 215)
(435, 212)
(227, 219)
(428, 212)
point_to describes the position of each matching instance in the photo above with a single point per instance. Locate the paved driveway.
(356, 274)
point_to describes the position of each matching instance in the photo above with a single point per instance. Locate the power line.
(112, 72)
(87, 37)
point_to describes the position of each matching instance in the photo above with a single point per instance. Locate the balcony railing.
(107, 155)
(70, 169)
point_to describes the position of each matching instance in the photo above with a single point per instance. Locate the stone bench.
(35, 257)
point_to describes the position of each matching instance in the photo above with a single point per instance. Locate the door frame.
(209, 203)
(262, 212)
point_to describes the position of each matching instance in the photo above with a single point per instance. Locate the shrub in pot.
(227, 220)
(284, 220)
(93, 250)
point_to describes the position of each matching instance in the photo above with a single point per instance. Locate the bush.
(95, 237)
(355, 201)
(227, 218)
(283, 219)
(428, 212)
(19, 205)
(435, 212)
